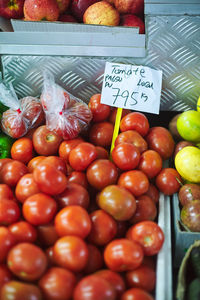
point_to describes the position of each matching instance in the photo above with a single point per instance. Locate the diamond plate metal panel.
(173, 46)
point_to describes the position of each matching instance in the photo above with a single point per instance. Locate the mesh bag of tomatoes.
(65, 114)
(21, 115)
(75, 224)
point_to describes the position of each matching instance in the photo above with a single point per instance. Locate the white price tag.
(132, 87)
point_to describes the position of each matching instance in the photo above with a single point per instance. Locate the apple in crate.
(11, 9)
(130, 6)
(67, 18)
(132, 21)
(38, 10)
(101, 13)
(78, 7)
(63, 5)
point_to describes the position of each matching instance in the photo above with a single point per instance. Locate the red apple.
(63, 5)
(11, 9)
(101, 13)
(132, 21)
(37, 10)
(190, 215)
(67, 18)
(130, 6)
(78, 7)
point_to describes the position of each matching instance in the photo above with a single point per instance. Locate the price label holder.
(132, 87)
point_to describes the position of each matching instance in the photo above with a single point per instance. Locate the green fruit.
(188, 126)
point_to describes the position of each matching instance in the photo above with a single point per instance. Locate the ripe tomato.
(57, 283)
(47, 235)
(12, 171)
(46, 142)
(102, 153)
(104, 228)
(153, 193)
(100, 111)
(4, 161)
(117, 201)
(66, 146)
(13, 123)
(168, 181)
(99, 289)
(81, 156)
(74, 194)
(20, 291)
(161, 140)
(95, 260)
(7, 241)
(135, 121)
(39, 209)
(145, 210)
(123, 255)
(27, 261)
(6, 192)
(126, 156)
(132, 137)
(100, 134)
(101, 173)
(71, 252)
(23, 232)
(26, 187)
(49, 179)
(143, 277)
(135, 181)
(32, 111)
(34, 162)
(149, 235)
(136, 294)
(5, 275)
(115, 279)
(57, 162)
(9, 211)
(113, 114)
(22, 150)
(150, 163)
(79, 178)
(73, 220)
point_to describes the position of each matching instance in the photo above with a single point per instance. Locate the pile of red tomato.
(76, 224)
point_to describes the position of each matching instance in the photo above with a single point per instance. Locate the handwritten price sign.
(132, 87)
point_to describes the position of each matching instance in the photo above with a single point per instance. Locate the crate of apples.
(79, 223)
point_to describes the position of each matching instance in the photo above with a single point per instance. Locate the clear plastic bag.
(65, 114)
(22, 114)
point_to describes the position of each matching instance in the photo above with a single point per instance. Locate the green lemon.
(187, 163)
(188, 125)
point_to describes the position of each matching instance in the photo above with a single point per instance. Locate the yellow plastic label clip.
(116, 129)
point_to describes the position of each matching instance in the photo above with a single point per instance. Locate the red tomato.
(57, 162)
(104, 228)
(32, 111)
(7, 241)
(150, 163)
(126, 156)
(23, 232)
(13, 124)
(46, 142)
(100, 111)
(34, 162)
(153, 193)
(81, 156)
(71, 252)
(168, 181)
(143, 277)
(73, 220)
(6, 191)
(5, 275)
(94, 287)
(118, 202)
(27, 261)
(12, 171)
(50, 256)
(132, 137)
(49, 179)
(135, 121)
(135, 181)
(123, 255)
(113, 114)
(145, 210)
(115, 279)
(22, 150)
(149, 235)
(95, 260)
(161, 140)
(102, 153)
(57, 283)
(101, 173)
(79, 178)
(136, 294)
(100, 134)
(17, 290)
(39, 209)
(47, 234)
(66, 146)
(74, 194)
(10, 211)
(26, 187)
(4, 161)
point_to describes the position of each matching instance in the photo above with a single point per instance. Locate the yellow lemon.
(198, 104)
(187, 163)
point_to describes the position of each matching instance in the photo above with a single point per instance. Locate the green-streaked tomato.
(188, 125)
